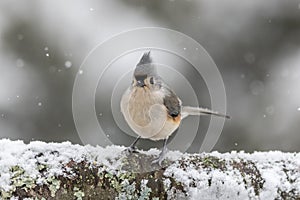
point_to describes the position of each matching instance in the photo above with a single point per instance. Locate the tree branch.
(64, 171)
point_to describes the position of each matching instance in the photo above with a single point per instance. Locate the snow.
(68, 64)
(52, 155)
(229, 184)
(210, 176)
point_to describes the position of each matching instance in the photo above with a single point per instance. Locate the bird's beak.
(140, 83)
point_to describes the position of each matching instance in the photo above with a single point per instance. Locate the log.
(40, 170)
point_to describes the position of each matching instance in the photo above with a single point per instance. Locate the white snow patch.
(229, 184)
(52, 155)
(198, 181)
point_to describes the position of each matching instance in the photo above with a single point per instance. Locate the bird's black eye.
(151, 80)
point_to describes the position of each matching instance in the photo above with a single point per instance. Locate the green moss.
(126, 176)
(87, 181)
(21, 180)
(41, 167)
(121, 182)
(17, 170)
(145, 191)
(54, 185)
(213, 162)
(6, 195)
(78, 193)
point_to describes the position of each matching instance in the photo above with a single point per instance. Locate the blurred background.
(255, 44)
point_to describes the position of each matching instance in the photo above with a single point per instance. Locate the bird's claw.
(131, 149)
(160, 158)
(158, 161)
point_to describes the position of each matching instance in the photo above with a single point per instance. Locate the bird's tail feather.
(187, 110)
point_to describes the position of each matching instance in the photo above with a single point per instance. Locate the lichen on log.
(65, 171)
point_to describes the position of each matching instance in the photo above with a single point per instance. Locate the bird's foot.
(131, 149)
(160, 158)
(158, 161)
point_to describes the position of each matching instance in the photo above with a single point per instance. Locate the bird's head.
(145, 75)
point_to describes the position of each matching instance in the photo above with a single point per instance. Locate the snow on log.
(65, 171)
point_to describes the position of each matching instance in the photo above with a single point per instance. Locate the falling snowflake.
(68, 64)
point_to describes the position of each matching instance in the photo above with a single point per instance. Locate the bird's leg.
(162, 153)
(132, 148)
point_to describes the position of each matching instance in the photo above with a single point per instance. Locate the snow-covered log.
(64, 171)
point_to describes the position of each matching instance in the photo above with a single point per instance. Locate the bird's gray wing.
(172, 103)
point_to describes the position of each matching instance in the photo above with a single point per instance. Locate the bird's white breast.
(146, 114)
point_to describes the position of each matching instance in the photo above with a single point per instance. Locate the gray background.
(255, 45)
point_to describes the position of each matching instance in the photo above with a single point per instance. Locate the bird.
(152, 109)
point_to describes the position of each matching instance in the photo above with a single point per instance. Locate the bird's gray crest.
(146, 59)
(145, 66)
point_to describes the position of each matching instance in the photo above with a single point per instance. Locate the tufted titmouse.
(152, 109)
